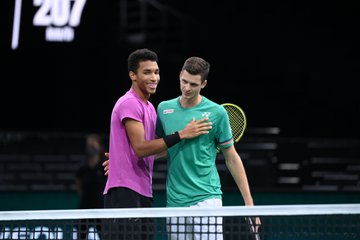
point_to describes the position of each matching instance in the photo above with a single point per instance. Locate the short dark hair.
(138, 56)
(197, 65)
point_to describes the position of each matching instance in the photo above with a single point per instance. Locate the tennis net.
(320, 221)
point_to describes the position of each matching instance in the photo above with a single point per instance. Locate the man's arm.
(143, 148)
(237, 170)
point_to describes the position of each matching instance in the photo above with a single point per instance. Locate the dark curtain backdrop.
(292, 65)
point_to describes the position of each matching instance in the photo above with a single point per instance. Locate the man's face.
(190, 85)
(147, 77)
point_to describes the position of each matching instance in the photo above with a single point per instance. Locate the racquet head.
(237, 120)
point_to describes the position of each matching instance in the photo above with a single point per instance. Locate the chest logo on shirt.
(167, 111)
(206, 114)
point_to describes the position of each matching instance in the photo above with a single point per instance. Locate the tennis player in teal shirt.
(192, 174)
(192, 179)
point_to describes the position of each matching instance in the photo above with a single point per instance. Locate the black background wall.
(293, 65)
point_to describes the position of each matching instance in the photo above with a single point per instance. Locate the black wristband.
(172, 139)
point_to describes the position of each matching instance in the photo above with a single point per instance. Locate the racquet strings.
(237, 120)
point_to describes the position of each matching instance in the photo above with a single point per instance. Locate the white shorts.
(196, 228)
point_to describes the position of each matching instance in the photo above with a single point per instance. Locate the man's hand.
(257, 224)
(105, 164)
(195, 128)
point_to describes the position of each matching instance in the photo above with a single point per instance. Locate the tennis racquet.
(237, 120)
(252, 227)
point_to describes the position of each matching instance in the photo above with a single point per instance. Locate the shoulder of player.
(170, 102)
(214, 105)
(129, 104)
(129, 101)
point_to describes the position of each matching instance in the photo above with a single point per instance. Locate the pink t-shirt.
(126, 169)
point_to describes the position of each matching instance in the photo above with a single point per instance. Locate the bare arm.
(237, 170)
(136, 133)
(143, 148)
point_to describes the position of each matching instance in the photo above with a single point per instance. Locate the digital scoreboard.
(39, 21)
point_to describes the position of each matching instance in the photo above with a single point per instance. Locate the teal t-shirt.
(192, 175)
